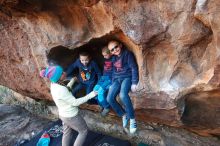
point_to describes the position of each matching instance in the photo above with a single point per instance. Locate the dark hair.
(84, 53)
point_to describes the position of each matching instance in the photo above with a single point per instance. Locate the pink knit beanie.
(53, 73)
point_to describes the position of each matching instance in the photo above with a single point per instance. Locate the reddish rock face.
(19, 69)
(176, 45)
(202, 112)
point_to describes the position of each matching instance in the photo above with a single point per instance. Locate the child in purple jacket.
(125, 78)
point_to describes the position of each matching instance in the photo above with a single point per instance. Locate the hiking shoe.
(124, 121)
(133, 126)
(105, 111)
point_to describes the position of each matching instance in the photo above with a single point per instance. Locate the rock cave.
(175, 43)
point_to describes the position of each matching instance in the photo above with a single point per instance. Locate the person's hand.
(92, 94)
(133, 88)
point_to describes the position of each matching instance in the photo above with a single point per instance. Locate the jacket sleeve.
(134, 68)
(71, 82)
(77, 102)
(71, 67)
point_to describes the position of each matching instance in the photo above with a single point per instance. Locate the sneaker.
(105, 111)
(133, 126)
(124, 121)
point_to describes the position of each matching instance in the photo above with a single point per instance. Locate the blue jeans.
(88, 88)
(102, 87)
(121, 87)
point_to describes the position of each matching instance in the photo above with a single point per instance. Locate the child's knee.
(123, 95)
(109, 100)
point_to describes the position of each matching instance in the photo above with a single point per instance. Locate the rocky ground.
(17, 123)
(151, 133)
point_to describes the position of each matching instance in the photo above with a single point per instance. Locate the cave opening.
(64, 56)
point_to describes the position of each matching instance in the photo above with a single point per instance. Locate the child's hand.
(133, 88)
(92, 94)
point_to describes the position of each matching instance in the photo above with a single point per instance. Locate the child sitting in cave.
(124, 78)
(87, 76)
(105, 81)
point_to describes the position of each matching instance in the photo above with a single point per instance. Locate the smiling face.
(84, 60)
(115, 48)
(106, 55)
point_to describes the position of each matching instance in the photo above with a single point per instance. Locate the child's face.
(84, 60)
(115, 48)
(106, 55)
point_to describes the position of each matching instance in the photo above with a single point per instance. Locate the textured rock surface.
(149, 133)
(17, 124)
(176, 44)
(202, 112)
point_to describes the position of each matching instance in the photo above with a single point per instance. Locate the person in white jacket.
(67, 105)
